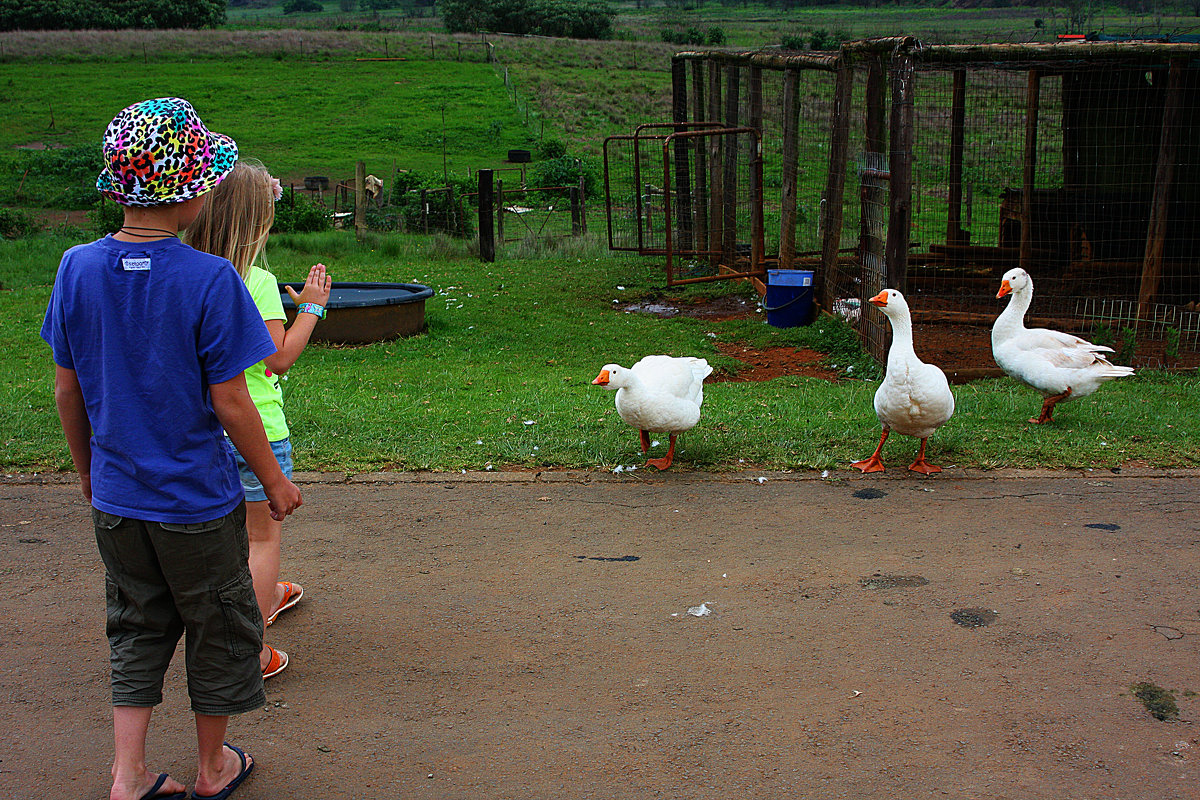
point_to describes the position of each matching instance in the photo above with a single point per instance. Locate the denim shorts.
(251, 485)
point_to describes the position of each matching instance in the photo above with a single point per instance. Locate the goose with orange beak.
(914, 398)
(659, 394)
(1059, 365)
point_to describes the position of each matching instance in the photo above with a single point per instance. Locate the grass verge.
(501, 378)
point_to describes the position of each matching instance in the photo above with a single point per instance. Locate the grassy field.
(501, 378)
(300, 118)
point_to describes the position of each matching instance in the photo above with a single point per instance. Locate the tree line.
(110, 14)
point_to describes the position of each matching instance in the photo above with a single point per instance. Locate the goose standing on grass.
(914, 398)
(1059, 365)
(658, 394)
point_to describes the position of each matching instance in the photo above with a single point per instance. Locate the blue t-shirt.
(148, 327)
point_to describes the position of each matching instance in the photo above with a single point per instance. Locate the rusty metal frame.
(757, 233)
(637, 137)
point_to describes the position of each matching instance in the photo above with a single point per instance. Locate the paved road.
(524, 636)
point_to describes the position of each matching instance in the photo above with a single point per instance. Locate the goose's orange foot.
(924, 467)
(872, 464)
(661, 463)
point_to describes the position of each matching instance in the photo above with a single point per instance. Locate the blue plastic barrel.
(789, 301)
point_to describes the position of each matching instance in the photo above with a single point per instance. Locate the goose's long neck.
(902, 340)
(1012, 318)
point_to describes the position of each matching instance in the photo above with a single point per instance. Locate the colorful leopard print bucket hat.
(158, 151)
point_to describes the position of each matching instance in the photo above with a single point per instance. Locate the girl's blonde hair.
(237, 218)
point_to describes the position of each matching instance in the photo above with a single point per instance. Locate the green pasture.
(298, 117)
(501, 377)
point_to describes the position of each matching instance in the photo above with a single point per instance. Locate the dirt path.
(505, 636)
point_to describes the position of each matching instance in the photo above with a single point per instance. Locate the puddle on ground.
(1103, 526)
(880, 581)
(657, 309)
(870, 494)
(974, 617)
(609, 558)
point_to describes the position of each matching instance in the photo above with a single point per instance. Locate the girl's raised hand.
(316, 288)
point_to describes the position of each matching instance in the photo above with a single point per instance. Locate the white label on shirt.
(135, 264)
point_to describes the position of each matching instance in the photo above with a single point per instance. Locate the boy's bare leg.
(218, 764)
(131, 779)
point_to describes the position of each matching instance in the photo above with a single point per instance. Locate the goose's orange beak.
(879, 299)
(1004, 289)
(601, 379)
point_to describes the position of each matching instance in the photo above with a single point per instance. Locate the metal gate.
(706, 213)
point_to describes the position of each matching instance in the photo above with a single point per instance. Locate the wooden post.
(787, 211)
(487, 239)
(715, 201)
(1164, 178)
(360, 199)
(700, 114)
(835, 179)
(575, 225)
(955, 234)
(1033, 93)
(756, 189)
(582, 206)
(500, 211)
(729, 176)
(425, 211)
(900, 167)
(683, 189)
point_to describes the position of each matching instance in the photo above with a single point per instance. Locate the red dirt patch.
(773, 362)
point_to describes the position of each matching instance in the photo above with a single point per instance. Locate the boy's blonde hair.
(237, 218)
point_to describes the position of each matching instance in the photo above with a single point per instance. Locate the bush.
(822, 39)
(575, 19)
(447, 212)
(565, 171)
(106, 217)
(16, 224)
(301, 6)
(551, 148)
(298, 214)
(793, 41)
(110, 14)
(714, 36)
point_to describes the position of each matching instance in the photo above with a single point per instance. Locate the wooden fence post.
(575, 227)
(700, 114)
(487, 240)
(835, 179)
(425, 211)
(787, 211)
(729, 179)
(1033, 94)
(582, 206)
(683, 190)
(360, 199)
(1164, 177)
(900, 167)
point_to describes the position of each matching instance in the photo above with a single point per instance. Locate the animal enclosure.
(935, 169)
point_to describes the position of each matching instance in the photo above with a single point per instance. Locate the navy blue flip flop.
(247, 768)
(154, 795)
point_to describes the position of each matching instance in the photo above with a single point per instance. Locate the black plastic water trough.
(361, 313)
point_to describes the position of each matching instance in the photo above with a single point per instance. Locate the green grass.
(299, 118)
(502, 377)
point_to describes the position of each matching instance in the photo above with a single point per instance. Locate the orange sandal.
(291, 595)
(277, 664)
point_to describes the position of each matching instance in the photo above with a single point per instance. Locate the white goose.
(914, 398)
(1059, 365)
(658, 393)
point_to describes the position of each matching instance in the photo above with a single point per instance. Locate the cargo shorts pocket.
(243, 620)
(105, 520)
(114, 607)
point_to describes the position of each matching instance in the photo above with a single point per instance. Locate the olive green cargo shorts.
(163, 579)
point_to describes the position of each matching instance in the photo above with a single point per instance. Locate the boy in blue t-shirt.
(150, 339)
